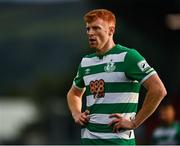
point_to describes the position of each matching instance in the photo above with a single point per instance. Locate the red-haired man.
(111, 79)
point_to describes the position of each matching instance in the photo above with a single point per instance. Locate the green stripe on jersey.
(118, 87)
(118, 141)
(113, 108)
(104, 128)
(99, 128)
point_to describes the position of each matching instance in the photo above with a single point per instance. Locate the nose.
(90, 32)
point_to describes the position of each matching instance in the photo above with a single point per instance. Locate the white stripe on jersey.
(104, 118)
(128, 134)
(96, 61)
(125, 97)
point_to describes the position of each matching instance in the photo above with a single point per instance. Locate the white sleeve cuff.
(146, 77)
(77, 86)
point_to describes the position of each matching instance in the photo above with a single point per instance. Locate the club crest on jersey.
(110, 67)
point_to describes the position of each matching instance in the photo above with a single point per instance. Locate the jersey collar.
(100, 56)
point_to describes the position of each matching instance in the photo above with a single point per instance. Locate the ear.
(111, 30)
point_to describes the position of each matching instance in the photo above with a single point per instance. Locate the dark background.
(41, 45)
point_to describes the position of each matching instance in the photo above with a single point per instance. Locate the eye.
(96, 28)
(87, 28)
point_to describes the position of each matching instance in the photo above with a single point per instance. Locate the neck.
(108, 46)
(168, 123)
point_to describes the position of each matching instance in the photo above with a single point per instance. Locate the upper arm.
(78, 81)
(74, 91)
(155, 84)
(78, 87)
(138, 69)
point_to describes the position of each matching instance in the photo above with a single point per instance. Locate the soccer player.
(168, 132)
(111, 79)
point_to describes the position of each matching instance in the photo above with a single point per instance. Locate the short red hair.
(103, 14)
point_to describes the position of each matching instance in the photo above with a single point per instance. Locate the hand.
(120, 123)
(82, 118)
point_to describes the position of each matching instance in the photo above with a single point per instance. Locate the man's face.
(98, 33)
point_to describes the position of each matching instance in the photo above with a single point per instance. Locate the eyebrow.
(96, 26)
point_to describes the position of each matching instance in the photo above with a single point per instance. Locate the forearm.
(151, 102)
(74, 103)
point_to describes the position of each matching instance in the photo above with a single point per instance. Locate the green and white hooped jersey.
(167, 135)
(112, 84)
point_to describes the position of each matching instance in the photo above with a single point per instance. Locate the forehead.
(97, 22)
(167, 108)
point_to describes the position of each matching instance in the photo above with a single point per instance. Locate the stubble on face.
(97, 32)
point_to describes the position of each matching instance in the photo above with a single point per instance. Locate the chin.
(93, 46)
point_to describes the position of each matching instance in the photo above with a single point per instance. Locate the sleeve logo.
(143, 65)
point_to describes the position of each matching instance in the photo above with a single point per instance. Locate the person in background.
(168, 132)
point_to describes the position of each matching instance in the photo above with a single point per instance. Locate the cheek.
(103, 36)
(170, 114)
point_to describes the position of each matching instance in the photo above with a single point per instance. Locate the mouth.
(92, 41)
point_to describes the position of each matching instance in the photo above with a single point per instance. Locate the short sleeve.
(137, 67)
(78, 80)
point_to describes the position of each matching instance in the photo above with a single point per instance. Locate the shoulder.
(157, 131)
(121, 49)
(133, 56)
(130, 52)
(87, 59)
(177, 124)
(133, 53)
(90, 55)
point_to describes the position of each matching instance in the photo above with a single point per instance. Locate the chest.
(109, 69)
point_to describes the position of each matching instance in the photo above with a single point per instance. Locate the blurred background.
(41, 45)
